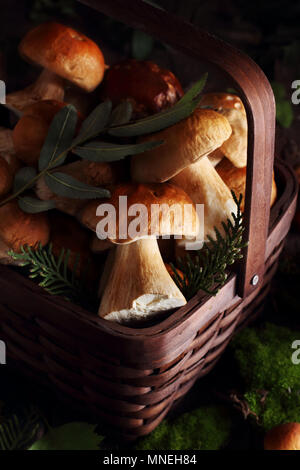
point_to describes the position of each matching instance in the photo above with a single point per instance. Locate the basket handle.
(257, 97)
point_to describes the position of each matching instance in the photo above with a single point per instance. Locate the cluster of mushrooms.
(202, 159)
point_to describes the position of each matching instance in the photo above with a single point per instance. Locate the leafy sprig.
(20, 430)
(207, 270)
(53, 273)
(103, 123)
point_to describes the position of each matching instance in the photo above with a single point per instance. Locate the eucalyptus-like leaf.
(33, 205)
(121, 114)
(59, 138)
(107, 152)
(156, 122)
(23, 177)
(181, 110)
(195, 90)
(66, 186)
(95, 123)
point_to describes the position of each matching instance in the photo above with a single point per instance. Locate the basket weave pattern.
(131, 377)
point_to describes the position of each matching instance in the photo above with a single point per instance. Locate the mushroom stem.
(204, 186)
(139, 285)
(48, 86)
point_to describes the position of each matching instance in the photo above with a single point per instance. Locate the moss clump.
(206, 428)
(272, 381)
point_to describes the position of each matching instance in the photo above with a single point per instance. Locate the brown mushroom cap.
(220, 101)
(184, 143)
(147, 86)
(65, 52)
(235, 179)
(31, 130)
(67, 233)
(148, 195)
(283, 437)
(18, 228)
(231, 106)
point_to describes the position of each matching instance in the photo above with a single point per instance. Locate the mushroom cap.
(32, 128)
(220, 101)
(67, 233)
(147, 86)
(18, 228)
(184, 143)
(166, 222)
(65, 52)
(6, 177)
(231, 106)
(283, 437)
(235, 179)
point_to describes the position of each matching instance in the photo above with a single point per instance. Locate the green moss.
(272, 381)
(207, 428)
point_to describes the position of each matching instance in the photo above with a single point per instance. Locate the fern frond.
(207, 271)
(53, 274)
(19, 431)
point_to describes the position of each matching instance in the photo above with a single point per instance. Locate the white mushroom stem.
(48, 86)
(139, 285)
(215, 157)
(204, 186)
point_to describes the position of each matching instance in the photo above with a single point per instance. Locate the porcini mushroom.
(18, 229)
(65, 55)
(32, 128)
(235, 179)
(231, 106)
(184, 143)
(139, 285)
(91, 173)
(183, 159)
(283, 437)
(148, 87)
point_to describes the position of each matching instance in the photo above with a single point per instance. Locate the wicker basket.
(131, 377)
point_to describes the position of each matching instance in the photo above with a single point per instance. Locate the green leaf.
(32, 205)
(95, 123)
(141, 45)
(71, 436)
(154, 123)
(284, 113)
(121, 114)
(59, 138)
(181, 110)
(66, 186)
(23, 177)
(106, 152)
(195, 90)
